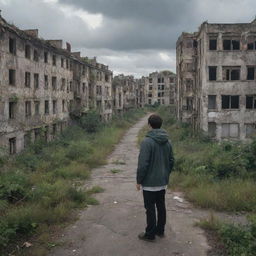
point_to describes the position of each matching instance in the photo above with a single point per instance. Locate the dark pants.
(152, 201)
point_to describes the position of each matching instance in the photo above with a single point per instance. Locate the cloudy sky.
(131, 36)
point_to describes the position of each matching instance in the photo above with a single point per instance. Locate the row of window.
(161, 80)
(36, 56)
(231, 73)
(13, 108)
(230, 44)
(231, 102)
(38, 134)
(231, 130)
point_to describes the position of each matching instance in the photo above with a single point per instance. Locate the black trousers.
(152, 201)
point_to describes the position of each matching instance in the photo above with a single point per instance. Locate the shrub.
(91, 122)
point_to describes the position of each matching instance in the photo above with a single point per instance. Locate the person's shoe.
(143, 236)
(161, 235)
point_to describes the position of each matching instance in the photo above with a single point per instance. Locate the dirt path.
(111, 228)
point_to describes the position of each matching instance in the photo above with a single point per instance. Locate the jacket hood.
(158, 135)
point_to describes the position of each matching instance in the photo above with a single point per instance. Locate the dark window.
(211, 101)
(36, 56)
(226, 44)
(54, 60)
(28, 108)
(83, 87)
(63, 105)
(12, 146)
(67, 64)
(46, 107)
(150, 80)
(54, 106)
(37, 107)
(230, 101)
(212, 129)
(62, 62)
(231, 44)
(250, 130)
(231, 73)
(159, 80)
(27, 79)
(250, 73)
(12, 109)
(46, 82)
(36, 81)
(235, 74)
(12, 78)
(250, 46)
(37, 134)
(45, 57)
(235, 44)
(27, 51)
(63, 82)
(212, 73)
(213, 44)
(54, 129)
(12, 46)
(54, 83)
(250, 102)
(27, 139)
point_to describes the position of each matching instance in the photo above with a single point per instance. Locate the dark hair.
(155, 121)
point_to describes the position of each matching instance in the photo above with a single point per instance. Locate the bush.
(91, 122)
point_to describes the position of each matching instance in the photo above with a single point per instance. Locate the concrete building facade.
(160, 88)
(216, 80)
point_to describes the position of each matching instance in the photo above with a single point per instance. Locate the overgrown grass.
(41, 187)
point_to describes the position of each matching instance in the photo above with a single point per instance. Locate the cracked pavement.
(111, 228)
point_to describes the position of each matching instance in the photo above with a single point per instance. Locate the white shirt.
(154, 189)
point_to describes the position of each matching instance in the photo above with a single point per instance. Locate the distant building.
(160, 88)
(216, 80)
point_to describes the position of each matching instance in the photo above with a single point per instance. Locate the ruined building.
(41, 84)
(216, 89)
(160, 87)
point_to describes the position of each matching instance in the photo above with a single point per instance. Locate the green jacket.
(155, 159)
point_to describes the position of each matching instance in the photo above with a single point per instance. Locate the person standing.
(155, 163)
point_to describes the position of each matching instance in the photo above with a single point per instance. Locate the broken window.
(159, 94)
(213, 44)
(12, 46)
(189, 85)
(250, 73)
(159, 80)
(67, 64)
(231, 44)
(150, 95)
(54, 83)
(150, 80)
(230, 101)
(45, 57)
(36, 56)
(12, 109)
(36, 81)
(27, 51)
(149, 101)
(37, 107)
(28, 108)
(54, 106)
(63, 106)
(37, 134)
(231, 73)
(251, 101)
(229, 130)
(171, 79)
(212, 129)
(162, 87)
(189, 101)
(212, 73)
(71, 86)
(46, 107)
(251, 43)
(150, 87)
(54, 129)
(27, 79)
(27, 139)
(54, 60)
(62, 62)
(163, 101)
(250, 130)
(63, 82)
(46, 82)
(46, 133)
(12, 77)
(12, 146)
(211, 101)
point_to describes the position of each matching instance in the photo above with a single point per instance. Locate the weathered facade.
(216, 80)
(160, 87)
(41, 84)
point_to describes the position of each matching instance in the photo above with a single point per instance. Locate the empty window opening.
(45, 57)
(37, 133)
(46, 107)
(36, 81)
(46, 83)
(54, 83)
(54, 129)
(27, 139)
(150, 80)
(62, 62)
(250, 73)
(37, 107)
(12, 77)
(27, 51)
(54, 106)
(83, 87)
(230, 101)
(212, 129)
(231, 73)
(12, 146)
(229, 44)
(189, 85)
(212, 73)
(189, 101)
(63, 106)
(36, 56)
(229, 130)
(211, 101)
(251, 101)
(54, 60)
(28, 108)
(12, 109)
(27, 79)
(46, 133)
(250, 130)
(63, 82)
(213, 44)
(12, 46)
